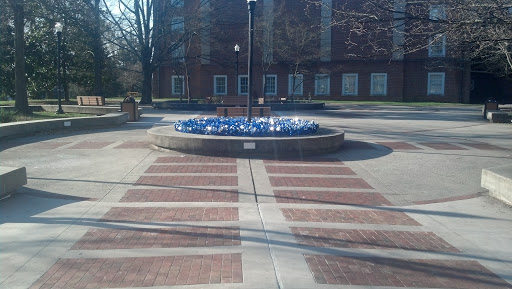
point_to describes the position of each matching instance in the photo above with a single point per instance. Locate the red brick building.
(205, 65)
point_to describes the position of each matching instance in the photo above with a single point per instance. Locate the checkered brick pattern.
(399, 146)
(198, 160)
(142, 272)
(348, 216)
(484, 146)
(48, 145)
(309, 161)
(151, 214)
(191, 169)
(402, 272)
(442, 146)
(180, 195)
(90, 145)
(170, 181)
(371, 239)
(133, 145)
(309, 170)
(352, 183)
(450, 199)
(104, 239)
(333, 198)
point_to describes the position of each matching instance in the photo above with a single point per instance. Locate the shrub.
(6, 116)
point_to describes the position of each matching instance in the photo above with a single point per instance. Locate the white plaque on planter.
(249, 145)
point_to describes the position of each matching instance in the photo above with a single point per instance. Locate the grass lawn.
(108, 100)
(117, 100)
(10, 116)
(393, 103)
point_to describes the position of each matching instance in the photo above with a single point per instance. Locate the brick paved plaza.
(137, 218)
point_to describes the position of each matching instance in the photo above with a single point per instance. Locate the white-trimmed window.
(178, 3)
(270, 84)
(243, 85)
(379, 84)
(178, 54)
(437, 46)
(177, 29)
(178, 24)
(435, 83)
(220, 84)
(322, 84)
(349, 84)
(297, 87)
(437, 12)
(177, 85)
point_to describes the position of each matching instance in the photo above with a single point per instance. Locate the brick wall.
(406, 80)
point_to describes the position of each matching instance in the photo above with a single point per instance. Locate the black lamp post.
(237, 50)
(251, 4)
(58, 31)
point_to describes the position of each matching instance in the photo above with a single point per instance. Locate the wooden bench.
(239, 108)
(242, 111)
(91, 100)
(234, 100)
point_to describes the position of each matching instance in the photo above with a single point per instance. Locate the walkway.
(399, 206)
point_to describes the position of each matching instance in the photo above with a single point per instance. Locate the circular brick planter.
(167, 138)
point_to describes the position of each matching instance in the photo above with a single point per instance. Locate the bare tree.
(297, 40)
(476, 30)
(142, 27)
(21, 99)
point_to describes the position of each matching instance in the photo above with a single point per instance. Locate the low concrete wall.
(10, 179)
(23, 128)
(324, 141)
(499, 116)
(97, 110)
(498, 181)
(213, 107)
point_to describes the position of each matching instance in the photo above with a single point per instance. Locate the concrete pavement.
(399, 206)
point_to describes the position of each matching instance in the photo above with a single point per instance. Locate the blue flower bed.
(238, 126)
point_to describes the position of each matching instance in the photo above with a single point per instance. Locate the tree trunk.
(98, 51)
(21, 100)
(147, 77)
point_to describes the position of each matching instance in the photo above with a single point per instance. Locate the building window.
(243, 84)
(178, 54)
(437, 46)
(322, 84)
(177, 29)
(349, 84)
(177, 85)
(178, 3)
(437, 12)
(435, 83)
(379, 84)
(178, 24)
(297, 87)
(271, 85)
(220, 84)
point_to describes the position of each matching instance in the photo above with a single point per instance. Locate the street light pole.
(237, 50)
(251, 4)
(58, 31)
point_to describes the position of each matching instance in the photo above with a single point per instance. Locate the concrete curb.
(498, 181)
(97, 110)
(23, 128)
(498, 116)
(324, 141)
(10, 179)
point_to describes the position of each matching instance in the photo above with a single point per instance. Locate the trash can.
(490, 104)
(132, 108)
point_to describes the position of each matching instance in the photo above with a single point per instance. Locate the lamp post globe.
(58, 31)
(237, 50)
